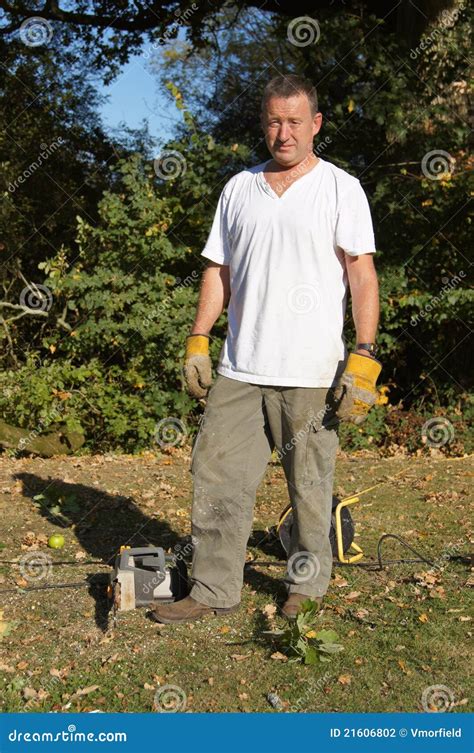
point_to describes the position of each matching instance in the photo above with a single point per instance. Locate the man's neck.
(304, 166)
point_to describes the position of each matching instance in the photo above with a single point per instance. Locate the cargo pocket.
(321, 447)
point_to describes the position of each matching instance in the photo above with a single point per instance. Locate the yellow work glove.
(197, 366)
(356, 391)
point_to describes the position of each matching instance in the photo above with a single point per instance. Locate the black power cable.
(376, 566)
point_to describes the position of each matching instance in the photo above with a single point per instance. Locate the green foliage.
(122, 304)
(302, 641)
(121, 258)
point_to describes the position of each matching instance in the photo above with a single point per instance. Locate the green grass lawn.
(404, 629)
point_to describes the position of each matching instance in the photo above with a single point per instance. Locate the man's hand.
(357, 390)
(197, 366)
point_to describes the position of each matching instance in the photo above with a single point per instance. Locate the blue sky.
(135, 95)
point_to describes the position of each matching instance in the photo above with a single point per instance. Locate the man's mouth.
(285, 146)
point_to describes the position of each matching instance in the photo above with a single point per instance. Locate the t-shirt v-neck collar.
(269, 190)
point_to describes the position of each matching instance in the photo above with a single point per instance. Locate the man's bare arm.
(365, 296)
(213, 297)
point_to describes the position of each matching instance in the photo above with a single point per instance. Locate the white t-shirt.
(287, 273)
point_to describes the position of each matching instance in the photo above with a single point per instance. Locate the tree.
(133, 23)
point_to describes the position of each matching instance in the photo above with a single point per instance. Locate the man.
(288, 237)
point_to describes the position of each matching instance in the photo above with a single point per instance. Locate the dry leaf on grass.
(29, 693)
(269, 610)
(240, 657)
(85, 691)
(352, 595)
(345, 679)
(278, 656)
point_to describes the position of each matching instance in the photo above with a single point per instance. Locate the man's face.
(289, 128)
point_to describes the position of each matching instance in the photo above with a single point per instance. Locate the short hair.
(289, 86)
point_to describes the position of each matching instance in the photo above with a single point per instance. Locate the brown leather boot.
(292, 604)
(187, 610)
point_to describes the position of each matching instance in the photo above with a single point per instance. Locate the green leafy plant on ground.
(302, 641)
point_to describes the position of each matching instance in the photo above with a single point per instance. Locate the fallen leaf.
(210, 681)
(269, 610)
(29, 693)
(339, 581)
(243, 696)
(224, 629)
(22, 665)
(86, 691)
(278, 656)
(240, 657)
(423, 617)
(404, 667)
(147, 686)
(352, 595)
(345, 679)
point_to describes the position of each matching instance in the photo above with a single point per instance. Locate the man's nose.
(284, 132)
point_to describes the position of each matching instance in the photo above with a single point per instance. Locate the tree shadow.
(102, 524)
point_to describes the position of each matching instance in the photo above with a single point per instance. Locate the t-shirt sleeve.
(354, 229)
(217, 246)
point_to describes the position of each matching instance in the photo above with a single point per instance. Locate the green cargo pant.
(241, 425)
